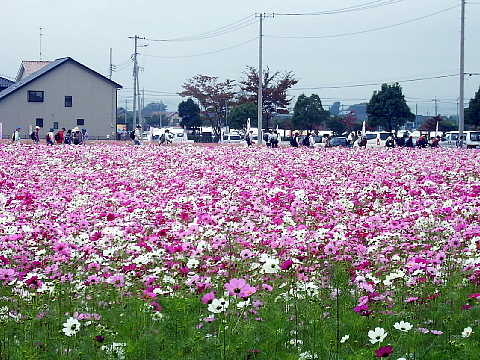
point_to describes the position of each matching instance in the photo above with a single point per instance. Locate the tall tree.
(308, 112)
(190, 114)
(237, 118)
(472, 113)
(274, 91)
(214, 98)
(387, 108)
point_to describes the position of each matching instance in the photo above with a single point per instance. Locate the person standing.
(138, 135)
(16, 136)
(61, 136)
(84, 136)
(77, 137)
(36, 135)
(294, 140)
(249, 138)
(68, 137)
(390, 142)
(274, 140)
(50, 137)
(409, 142)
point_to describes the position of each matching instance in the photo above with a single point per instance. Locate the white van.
(376, 139)
(471, 139)
(231, 139)
(176, 134)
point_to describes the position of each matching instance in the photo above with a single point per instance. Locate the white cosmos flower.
(377, 335)
(467, 332)
(71, 327)
(344, 338)
(218, 305)
(270, 266)
(403, 326)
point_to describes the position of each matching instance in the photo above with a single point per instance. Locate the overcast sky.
(342, 50)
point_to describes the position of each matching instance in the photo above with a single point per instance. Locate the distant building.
(360, 111)
(57, 94)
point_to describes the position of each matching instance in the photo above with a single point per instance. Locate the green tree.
(274, 91)
(237, 118)
(472, 113)
(308, 112)
(337, 125)
(214, 98)
(387, 108)
(190, 114)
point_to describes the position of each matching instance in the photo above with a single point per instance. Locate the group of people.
(63, 136)
(137, 136)
(407, 141)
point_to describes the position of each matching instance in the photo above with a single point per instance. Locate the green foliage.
(308, 112)
(296, 318)
(387, 108)
(472, 113)
(190, 114)
(214, 98)
(337, 125)
(237, 118)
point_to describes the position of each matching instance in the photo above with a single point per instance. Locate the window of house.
(80, 122)
(68, 101)
(35, 96)
(39, 122)
(55, 124)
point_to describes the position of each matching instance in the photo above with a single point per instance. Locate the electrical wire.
(363, 31)
(376, 84)
(237, 25)
(366, 6)
(207, 53)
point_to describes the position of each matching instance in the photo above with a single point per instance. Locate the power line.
(363, 31)
(240, 24)
(376, 84)
(207, 53)
(366, 6)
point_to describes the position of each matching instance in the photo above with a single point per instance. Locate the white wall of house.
(94, 99)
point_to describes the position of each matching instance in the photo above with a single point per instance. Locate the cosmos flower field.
(224, 252)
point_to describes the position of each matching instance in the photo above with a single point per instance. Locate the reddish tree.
(274, 91)
(214, 98)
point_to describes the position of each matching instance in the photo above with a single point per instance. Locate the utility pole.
(260, 82)
(111, 66)
(260, 78)
(461, 117)
(40, 43)
(436, 108)
(136, 92)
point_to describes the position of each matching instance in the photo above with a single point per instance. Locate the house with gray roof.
(59, 94)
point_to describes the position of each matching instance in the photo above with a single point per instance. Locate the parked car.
(232, 139)
(338, 141)
(376, 139)
(471, 139)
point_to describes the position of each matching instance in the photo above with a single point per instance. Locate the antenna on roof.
(40, 43)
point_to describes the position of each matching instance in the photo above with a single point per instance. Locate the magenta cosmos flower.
(239, 287)
(384, 351)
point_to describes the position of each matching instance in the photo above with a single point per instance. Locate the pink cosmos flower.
(7, 275)
(239, 287)
(208, 298)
